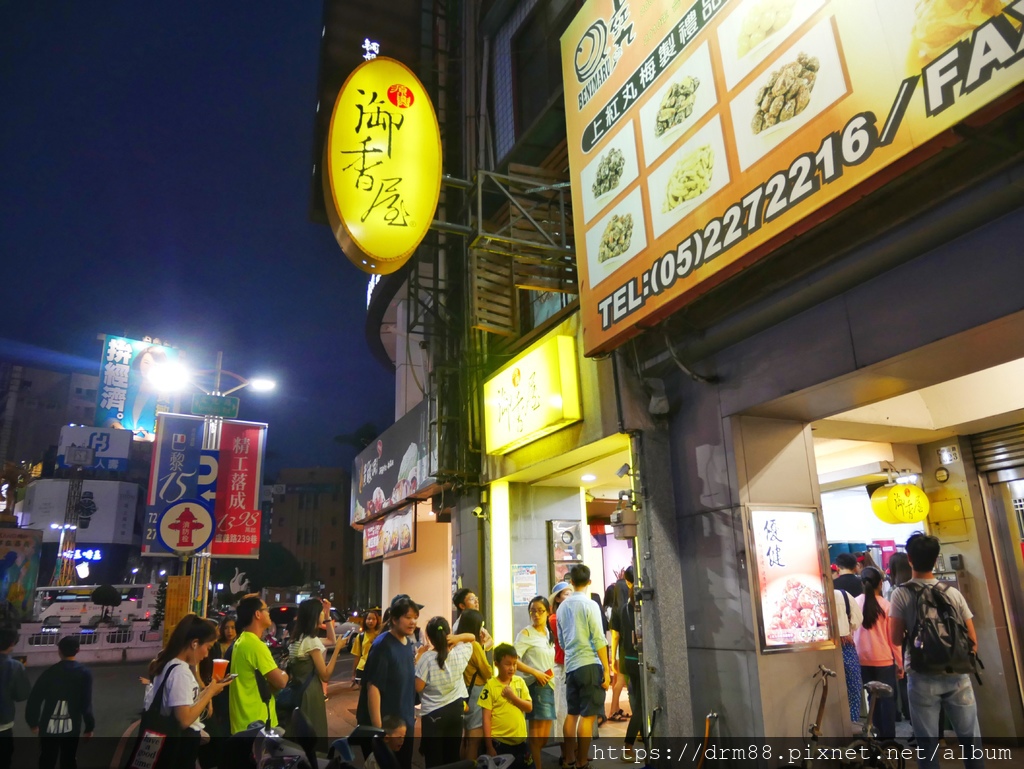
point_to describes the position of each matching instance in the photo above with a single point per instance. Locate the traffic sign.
(185, 527)
(225, 406)
(206, 483)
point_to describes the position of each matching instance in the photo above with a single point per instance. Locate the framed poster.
(565, 547)
(524, 583)
(792, 593)
(391, 536)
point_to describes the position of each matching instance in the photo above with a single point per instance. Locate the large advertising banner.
(106, 510)
(699, 131)
(393, 468)
(127, 398)
(792, 588)
(239, 475)
(112, 446)
(174, 473)
(20, 550)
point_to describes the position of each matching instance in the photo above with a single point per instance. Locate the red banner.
(237, 509)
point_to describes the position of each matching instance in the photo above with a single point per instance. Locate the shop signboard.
(174, 472)
(383, 159)
(533, 396)
(20, 550)
(700, 131)
(793, 593)
(394, 468)
(106, 510)
(237, 499)
(391, 536)
(127, 399)
(111, 446)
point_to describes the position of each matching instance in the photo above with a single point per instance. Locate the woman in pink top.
(880, 660)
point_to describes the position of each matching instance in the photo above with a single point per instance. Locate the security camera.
(623, 471)
(479, 512)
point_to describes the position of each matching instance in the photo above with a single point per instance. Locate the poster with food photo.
(794, 593)
(801, 83)
(751, 32)
(678, 106)
(688, 177)
(610, 173)
(616, 238)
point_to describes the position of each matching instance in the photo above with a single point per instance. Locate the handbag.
(290, 697)
(156, 744)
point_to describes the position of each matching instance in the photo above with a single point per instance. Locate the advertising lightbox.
(112, 446)
(127, 399)
(699, 131)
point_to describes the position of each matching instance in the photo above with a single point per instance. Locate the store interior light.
(907, 477)
(588, 478)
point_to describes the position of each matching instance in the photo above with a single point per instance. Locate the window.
(536, 59)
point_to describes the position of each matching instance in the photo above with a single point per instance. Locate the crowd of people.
(879, 617)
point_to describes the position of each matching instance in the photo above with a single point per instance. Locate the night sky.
(155, 163)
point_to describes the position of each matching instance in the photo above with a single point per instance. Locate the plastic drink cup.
(220, 669)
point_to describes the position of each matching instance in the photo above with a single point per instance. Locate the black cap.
(400, 596)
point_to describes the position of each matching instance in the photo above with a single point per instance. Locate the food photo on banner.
(699, 132)
(391, 536)
(793, 592)
(394, 468)
(127, 398)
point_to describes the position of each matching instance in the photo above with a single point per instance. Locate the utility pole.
(79, 457)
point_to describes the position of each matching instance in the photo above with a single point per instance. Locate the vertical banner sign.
(790, 579)
(177, 604)
(19, 569)
(239, 475)
(700, 130)
(173, 473)
(127, 399)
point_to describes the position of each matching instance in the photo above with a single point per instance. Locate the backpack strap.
(846, 600)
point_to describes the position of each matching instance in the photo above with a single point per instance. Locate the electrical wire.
(682, 367)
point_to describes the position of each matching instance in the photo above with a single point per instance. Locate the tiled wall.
(501, 70)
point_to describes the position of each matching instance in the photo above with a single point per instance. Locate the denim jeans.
(955, 695)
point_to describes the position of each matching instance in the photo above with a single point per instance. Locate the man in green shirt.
(249, 655)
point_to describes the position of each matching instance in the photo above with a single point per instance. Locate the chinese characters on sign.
(384, 164)
(371, 49)
(174, 472)
(390, 536)
(237, 507)
(793, 597)
(517, 400)
(127, 399)
(185, 527)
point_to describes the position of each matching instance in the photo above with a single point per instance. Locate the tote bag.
(156, 745)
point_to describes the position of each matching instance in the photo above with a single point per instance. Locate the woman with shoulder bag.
(307, 664)
(170, 729)
(880, 659)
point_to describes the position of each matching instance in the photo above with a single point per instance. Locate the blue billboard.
(128, 399)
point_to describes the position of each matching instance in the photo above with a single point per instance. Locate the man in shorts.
(587, 674)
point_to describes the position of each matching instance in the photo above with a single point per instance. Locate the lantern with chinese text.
(901, 503)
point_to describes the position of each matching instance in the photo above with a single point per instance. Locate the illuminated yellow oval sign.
(902, 503)
(383, 165)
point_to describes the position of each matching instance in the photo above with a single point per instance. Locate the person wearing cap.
(389, 678)
(559, 593)
(587, 674)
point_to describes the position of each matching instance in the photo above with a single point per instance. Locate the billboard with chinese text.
(112, 446)
(239, 475)
(701, 130)
(394, 468)
(127, 399)
(390, 536)
(174, 473)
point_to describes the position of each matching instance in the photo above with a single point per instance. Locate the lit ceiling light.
(261, 385)
(588, 478)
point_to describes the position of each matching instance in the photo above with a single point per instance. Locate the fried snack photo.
(609, 172)
(762, 20)
(938, 24)
(690, 178)
(616, 237)
(786, 93)
(677, 104)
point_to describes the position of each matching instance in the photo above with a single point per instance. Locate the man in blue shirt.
(587, 675)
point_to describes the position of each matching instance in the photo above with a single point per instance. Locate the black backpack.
(940, 643)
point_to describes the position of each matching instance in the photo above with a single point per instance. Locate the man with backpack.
(933, 620)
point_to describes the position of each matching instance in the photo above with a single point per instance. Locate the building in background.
(310, 519)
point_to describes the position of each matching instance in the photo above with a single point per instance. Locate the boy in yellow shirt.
(505, 700)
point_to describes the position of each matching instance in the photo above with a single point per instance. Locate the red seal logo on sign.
(401, 96)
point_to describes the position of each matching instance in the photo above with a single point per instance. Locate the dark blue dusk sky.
(156, 162)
